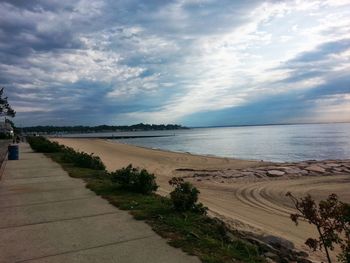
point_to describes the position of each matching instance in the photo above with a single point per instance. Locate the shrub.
(82, 159)
(135, 180)
(79, 159)
(5, 136)
(41, 144)
(185, 196)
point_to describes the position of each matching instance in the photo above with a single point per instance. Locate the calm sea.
(270, 143)
(281, 143)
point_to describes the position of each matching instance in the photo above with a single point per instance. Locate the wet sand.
(252, 204)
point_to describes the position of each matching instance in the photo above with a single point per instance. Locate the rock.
(271, 256)
(201, 175)
(293, 171)
(278, 242)
(304, 172)
(258, 175)
(333, 165)
(247, 173)
(324, 166)
(285, 167)
(269, 260)
(275, 173)
(300, 253)
(315, 168)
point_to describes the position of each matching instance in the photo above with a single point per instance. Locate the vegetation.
(189, 229)
(79, 159)
(185, 196)
(331, 218)
(82, 159)
(5, 136)
(5, 108)
(101, 128)
(41, 144)
(135, 180)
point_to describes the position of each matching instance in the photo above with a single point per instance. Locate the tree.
(345, 246)
(331, 218)
(5, 108)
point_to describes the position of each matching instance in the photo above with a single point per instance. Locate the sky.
(191, 62)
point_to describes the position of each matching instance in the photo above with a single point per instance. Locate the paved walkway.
(47, 216)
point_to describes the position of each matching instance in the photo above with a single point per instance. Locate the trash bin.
(13, 152)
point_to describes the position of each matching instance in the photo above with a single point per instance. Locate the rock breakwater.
(285, 170)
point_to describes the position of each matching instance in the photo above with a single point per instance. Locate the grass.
(195, 234)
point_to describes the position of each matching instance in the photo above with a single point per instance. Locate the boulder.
(293, 171)
(331, 165)
(247, 173)
(272, 256)
(275, 173)
(315, 168)
(278, 242)
(269, 260)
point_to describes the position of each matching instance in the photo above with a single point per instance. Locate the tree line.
(101, 128)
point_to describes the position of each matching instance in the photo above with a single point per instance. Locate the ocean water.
(279, 143)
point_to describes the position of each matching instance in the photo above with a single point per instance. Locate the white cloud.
(192, 56)
(227, 70)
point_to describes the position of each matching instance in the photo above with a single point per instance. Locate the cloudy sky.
(194, 62)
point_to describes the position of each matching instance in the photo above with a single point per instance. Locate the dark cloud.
(267, 110)
(41, 5)
(190, 19)
(338, 84)
(322, 52)
(319, 63)
(24, 32)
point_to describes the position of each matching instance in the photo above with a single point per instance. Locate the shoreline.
(214, 156)
(182, 152)
(249, 193)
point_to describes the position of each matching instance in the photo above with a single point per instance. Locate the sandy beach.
(244, 199)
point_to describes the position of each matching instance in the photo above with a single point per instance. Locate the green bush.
(135, 180)
(69, 155)
(82, 159)
(41, 144)
(185, 197)
(5, 136)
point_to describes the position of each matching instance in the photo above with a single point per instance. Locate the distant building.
(6, 128)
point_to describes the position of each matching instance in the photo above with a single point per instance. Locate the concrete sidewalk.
(47, 216)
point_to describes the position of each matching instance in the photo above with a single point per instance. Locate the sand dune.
(255, 205)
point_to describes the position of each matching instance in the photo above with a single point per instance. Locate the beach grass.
(194, 233)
